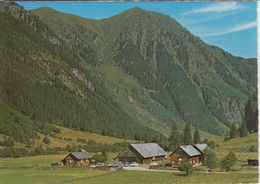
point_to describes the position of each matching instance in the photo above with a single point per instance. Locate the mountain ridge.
(125, 76)
(146, 23)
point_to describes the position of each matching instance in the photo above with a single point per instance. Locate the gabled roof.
(201, 147)
(190, 150)
(147, 150)
(82, 150)
(81, 155)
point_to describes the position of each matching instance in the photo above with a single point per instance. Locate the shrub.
(84, 141)
(99, 158)
(7, 142)
(187, 167)
(253, 149)
(46, 140)
(229, 161)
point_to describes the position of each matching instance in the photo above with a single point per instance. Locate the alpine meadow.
(68, 82)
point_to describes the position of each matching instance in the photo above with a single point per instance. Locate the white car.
(134, 164)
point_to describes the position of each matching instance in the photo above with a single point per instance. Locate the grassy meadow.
(68, 136)
(47, 175)
(36, 169)
(240, 145)
(143, 177)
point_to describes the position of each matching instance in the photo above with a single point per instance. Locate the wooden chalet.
(82, 157)
(201, 148)
(143, 153)
(185, 153)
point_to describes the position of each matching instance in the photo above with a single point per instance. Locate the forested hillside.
(133, 76)
(43, 81)
(188, 80)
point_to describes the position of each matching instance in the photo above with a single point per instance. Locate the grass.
(74, 135)
(41, 160)
(41, 176)
(241, 146)
(37, 169)
(139, 177)
(68, 137)
(250, 140)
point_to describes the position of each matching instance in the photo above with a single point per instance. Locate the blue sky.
(228, 25)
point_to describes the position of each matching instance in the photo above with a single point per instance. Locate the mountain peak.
(44, 10)
(136, 10)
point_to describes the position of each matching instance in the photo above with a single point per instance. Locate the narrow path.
(147, 169)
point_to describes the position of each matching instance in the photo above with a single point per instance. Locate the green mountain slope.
(175, 77)
(130, 76)
(43, 81)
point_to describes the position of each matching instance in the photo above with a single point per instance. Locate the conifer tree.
(233, 131)
(175, 138)
(196, 136)
(243, 130)
(187, 138)
(251, 113)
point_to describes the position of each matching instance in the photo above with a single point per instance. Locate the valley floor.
(37, 170)
(84, 175)
(31, 170)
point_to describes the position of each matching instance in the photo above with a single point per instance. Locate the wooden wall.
(179, 156)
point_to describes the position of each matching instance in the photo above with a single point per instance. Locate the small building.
(185, 153)
(142, 153)
(82, 157)
(201, 148)
(252, 162)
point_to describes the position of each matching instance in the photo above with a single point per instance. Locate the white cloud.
(237, 28)
(217, 8)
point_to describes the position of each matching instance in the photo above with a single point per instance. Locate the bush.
(253, 149)
(211, 160)
(99, 158)
(56, 130)
(46, 140)
(229, 161)
(187, 167)
(226, 139)
(84, 141)
(7, 142)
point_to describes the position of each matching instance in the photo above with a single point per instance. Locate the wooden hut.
(142, 153)
(185, 153)
(201, 148)
(81, 157)
(252, 162)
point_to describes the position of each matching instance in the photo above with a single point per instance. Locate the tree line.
(178, 138)
(250, 123)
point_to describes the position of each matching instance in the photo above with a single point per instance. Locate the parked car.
(134, 164)
(99, 164)
(126, 164)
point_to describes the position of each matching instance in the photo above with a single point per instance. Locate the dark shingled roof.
(190, 150)
(81, 155)
(147, 150)
(201, 147)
